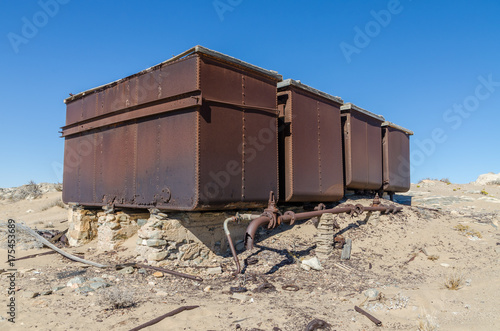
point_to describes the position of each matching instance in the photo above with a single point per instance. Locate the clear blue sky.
(430, 66)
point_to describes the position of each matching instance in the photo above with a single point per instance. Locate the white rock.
(305, 267)
(487, 179)
(446, 265)
(313, 263)
(214, 271)
(371, 293)
(240, 296)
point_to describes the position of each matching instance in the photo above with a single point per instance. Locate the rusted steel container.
(196, 132)
(362, 140)
(310, 144)
(396, 157)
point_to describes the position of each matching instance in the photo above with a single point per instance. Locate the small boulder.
(371, 293)
(313, 263)
(75, 282)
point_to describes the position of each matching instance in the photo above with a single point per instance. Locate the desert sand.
(446, 232)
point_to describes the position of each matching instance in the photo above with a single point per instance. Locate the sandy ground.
(407, 258)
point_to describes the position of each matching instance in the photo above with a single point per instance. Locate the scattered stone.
(75, 282)
(25, 271)
(155, 242)
(58, 288)
(157, 256)
(98, 285)
(84, 290)
(371, 293)
(114, 225)
(141, 221)
(161, 294)
(214, 271)
(207, 289)
(30, 294)
(313, 263)
(158, 274)
(142, 271)
(305, 267)
(446, 265)
(48, 292)
(241, 296)
(127, 270)
(97, 279)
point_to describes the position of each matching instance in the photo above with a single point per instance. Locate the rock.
(84, 290)
(48, 292)
(30, 294)
(371, 293)
(75, 282)
(141, 221)
(489, 178)
(98, 285)
(214, 271)
(446, 265)
(25, 271)
(161, 294)
(155, 242)
(127, 270)
(97, 279)
(114, 225)
(190, 251)
(158, 274)
(305, 267)
(489, 199)
(241, 296)
(142, 271)
(207, 289)
(157, 256)
(313, 263)
(58, 288)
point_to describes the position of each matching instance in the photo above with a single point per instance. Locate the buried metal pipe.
(237, 218)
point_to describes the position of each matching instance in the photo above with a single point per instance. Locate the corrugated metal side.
(362, 151)
(396, 151)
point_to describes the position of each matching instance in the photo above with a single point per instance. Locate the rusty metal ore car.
(198, 131)
(206, 131)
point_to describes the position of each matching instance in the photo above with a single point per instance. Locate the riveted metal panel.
(220, 82)
(74, 112)
(362, 151)
(396, 158)
(163, 137)
(312, 160)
